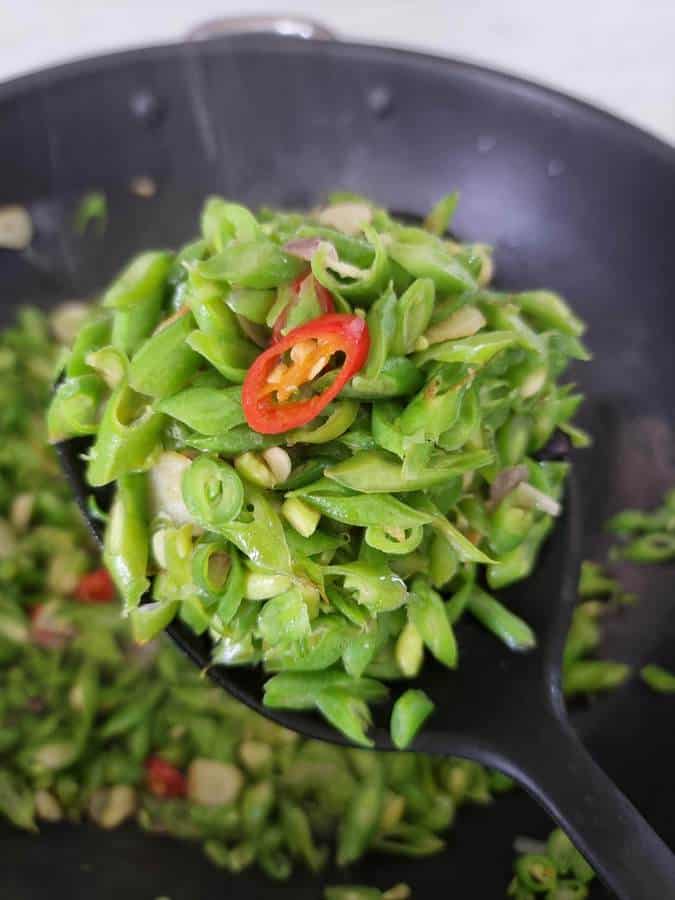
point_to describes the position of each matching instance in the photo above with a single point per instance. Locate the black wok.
(571, 198)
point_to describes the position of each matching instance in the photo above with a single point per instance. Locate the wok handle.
(286, 26)
(622, 847)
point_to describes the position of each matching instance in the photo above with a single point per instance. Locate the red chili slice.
(322, 295)
(271, 381)
(163, 779)
(95, 587)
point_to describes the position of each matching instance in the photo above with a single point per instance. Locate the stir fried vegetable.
(93, 726)
(553, 869)
(341, 405)
(649, 537)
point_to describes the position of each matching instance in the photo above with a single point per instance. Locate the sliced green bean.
(658, 678)
(410, 712)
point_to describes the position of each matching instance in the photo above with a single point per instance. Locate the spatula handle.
(624, 850)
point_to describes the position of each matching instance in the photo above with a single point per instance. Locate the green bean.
(351, 892)
(189, 253)
(284, 618)
(431, 259)
(361, 510)
(300, 690)
(509, 527)
(231, 358)
(329, 638)
(536, 873)
(165, 363)
(594, 582)
(122, 721)
(501, 314)
(361, 818)
(251, 304)
(440, 812)
(194, 613)
(410, 712)
(549, 310)
(409, 651)
(235, 860)
(262, 539)
(354, 250)
(259, 264)
(440, 217)
(436, 406)
(629, 521)
(275, 863)
(298, 836)
(212, 492)
(566, 857)
(375, 586)
(512, 440)
(519, 562)
(593, 675)
(364, 286)
(257, 804)
(127, 437)
(347, 713)
(466, 424)
(360, 650)
(94, 334)
(477, 350)
(213, 317)
(144, 277)
(222, 221)
(656, 547)
(463, 547)
(347, 606)
(318, 543)
(384, 419)
(298, 306)
(110, 363)
(125, 549)
(409, 840)
(210, 569)
(340, 418)
(208, 411)
(373, 471)
(583, 636)
(149, 619)
(136, 298)
(381, 321)
(17, 801)
(399, 378)
(658, 678)
(427, 614)
(443, 561)
(219, 821)
(505, 625)
(75, 407)
(397, 543)
(237, 440)
(413, 314)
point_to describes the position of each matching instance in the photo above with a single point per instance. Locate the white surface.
(617, 53)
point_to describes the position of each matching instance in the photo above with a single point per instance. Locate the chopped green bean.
(351, 542)
(658, 678)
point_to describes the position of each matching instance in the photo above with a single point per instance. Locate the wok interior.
(571, 199)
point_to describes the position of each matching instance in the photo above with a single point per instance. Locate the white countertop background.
(619, 54)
